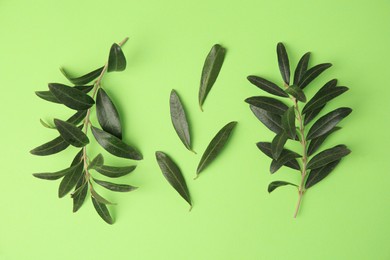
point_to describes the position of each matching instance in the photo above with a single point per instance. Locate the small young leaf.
(97, 162)
(309, 116)
(71, 133)
(107, 114)
(327, 156)
(173, 175)
(114, 145)
(301, 68)
(318, 174)
(99, 198)
(102, 210)
(215, 146)
(54, 175)
(272, 121)
(85, 89)
(277, 144)
(85, 79)
(52, 147)
(179, 119)
(288, 122)
(115, 187)
(71, 97)
(284, 65)
(326, 123)
(296, 92)
(114, 172)
(276, 184)
(79, 197)
(265, 147)
(268, 104)
(284, 157)
(47, 125)
(48, 96)
(267, 86)
(211, 69)
(116, 59)
(315, 143)
(71, 179)
(313, 73)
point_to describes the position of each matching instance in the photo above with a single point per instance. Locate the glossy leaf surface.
(115, 187)
(267, 86)
(272, 121)
(284, 157)
(269, 104)
(327, 156)
(107, 114)
(322, 97)
(317, 175)
(84, 79)
(112, 171)
(277, 144)
(313, 73)
(71, 133)
(71, 179)
(71, 97)
(116, 59)
(102, 210)
(284, 65)
(315, 143)
(54, 175)
(288, 122)
(301, 68)
(97, 162)
(296, 92)
(79, 197)
(52, 147)
(265, 147)
(276, 184)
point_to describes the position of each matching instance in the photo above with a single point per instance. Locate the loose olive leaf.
(277, 144)
(71, 179)
(284, 157)
(179, 119)
(268, 104)
(97, 162)
(47, 125)
(71, 133)
(265, 147)
(309, 116)
(116, 59)
(107, 114)
(71, 97)
(215, 146)
(313, 73)
(321, 98)
(114, 172)
(284, 65)
(276, 184)
(115, 187)
(173, 175)
(99, 198)
(85, 79)
(288, 122)
(267, 86)
(54, 175)
(301, 68)
(318, 174)
(211, 68)
(315, 143)
(52, 147)
(79, 197)
(328, 156)
(102, 210)
(296, 92)
(48, 96)
(326, 123)
(114, 145)
(272, 121)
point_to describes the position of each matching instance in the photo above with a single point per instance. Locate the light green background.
(344, 217)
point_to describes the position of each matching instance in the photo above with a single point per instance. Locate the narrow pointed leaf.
(54, 175)
(296, 92)
(179, 119)
(48, 96)
(116, 59)
(284, 65)
(284, 157)
(315, 143)
(47, 125)
(78, 158)
(52, 147)
(327, 156)
(268, 104)
(71, 133)
(173, 175)
(107, 114)
(102, 210)
(313, 73)
(301, 68)
(114, 172)
(114, 145)
(85, 79)
(71, 179)
(211, 69)
(71, 97)
(265, 147)
(215, 146)
(115, 187)
(309, 116)
(77, 117)
(79, 197)
(97, 162)
(288, 122)
(277, 144)
(326, 123)
(318, 174)
(272, 121)
(276, 184)
(85, 89)
(267, 86)
(322, 97)
(99, 198)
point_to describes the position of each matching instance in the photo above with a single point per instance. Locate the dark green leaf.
(83, 79)
(114, 145)
(80, 194)
(211, 69)
(71, 97)
(55, 175)
(115, 187)
(48, 96)
(288, 122)
(47, 125)
(215, 146)
(296, 92)
(78, 158)
(267, 86)
(173, 175)
(277, 144)
(315, 143)
(99, 198)
(284, 65)
(102, 210)
(179, 119)
(265, 147)
(272, 121)
(54, 146)
(71, 179)
(309, 116)
(114, 172)
(85, 89)
(322, 97)
(313, 73)
(97, 162)
(71, 133)
(77, 117)
(107, 114)
(276, 184)
(317, 175)
(301, 68)
(268, 104)
(116, 59)
(284, 157)
(326, 123)
(327, 156)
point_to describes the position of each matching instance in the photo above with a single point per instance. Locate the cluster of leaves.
(289, 122)
(169, 168)
(73, 132)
